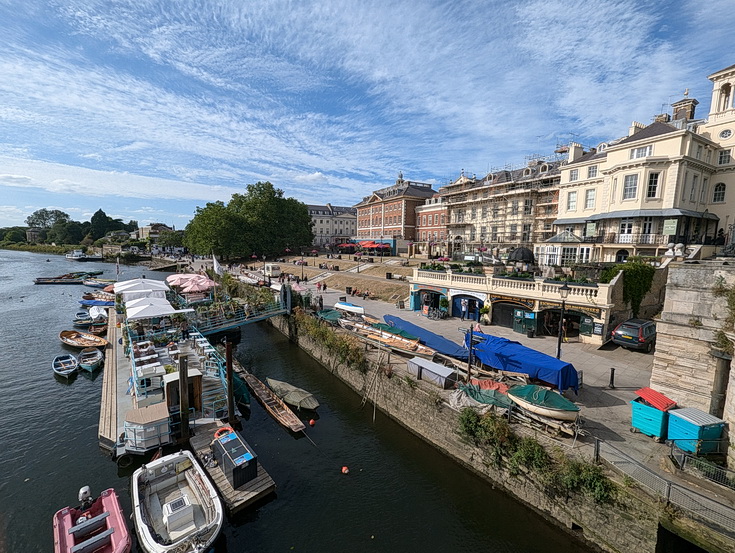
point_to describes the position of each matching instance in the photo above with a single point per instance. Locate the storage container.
(695, 431)
(236, 458)
(650, 413)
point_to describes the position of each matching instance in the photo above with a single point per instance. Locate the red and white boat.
(97, 525)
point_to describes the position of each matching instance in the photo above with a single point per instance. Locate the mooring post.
(184, 396)
(612, 378)
(230, 384)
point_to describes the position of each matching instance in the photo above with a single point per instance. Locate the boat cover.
(489, 397)
(329, 315)
(543, 397)
(434, 341)
(394, 330)
(506, 355)
(432, 372)
(97, 302)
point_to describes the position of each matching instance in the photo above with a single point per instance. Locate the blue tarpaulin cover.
(506, 355)
(434, 341)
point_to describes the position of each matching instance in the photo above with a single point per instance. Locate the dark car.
(635, 334)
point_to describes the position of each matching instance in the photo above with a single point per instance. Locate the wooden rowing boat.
(544, 402)
(64, 365)
(385, 339)
(90, 359)
(77, 339)
(272, 403)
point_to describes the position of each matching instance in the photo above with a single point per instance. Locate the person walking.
(321, 303)
(463, 304)
(184, 330)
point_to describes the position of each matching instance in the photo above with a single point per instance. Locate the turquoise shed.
(695, 431)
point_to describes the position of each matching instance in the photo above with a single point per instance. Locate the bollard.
(612, 378)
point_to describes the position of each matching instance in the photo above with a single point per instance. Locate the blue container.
(649, 420)
(695, 431)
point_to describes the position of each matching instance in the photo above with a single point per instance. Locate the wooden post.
(469, 358)
(230, 384)
(184, 396)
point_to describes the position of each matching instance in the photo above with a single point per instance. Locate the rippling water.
(400, 495)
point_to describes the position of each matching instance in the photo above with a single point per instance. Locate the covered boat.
(65, 365)
(349, 307)
(296, 397)
(392, 340)
(96, 525)
(543, 401)
(101, 303)
(90, 359)
(176, 508)
(77, 339)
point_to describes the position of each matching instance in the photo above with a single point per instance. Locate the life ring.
(223, 431)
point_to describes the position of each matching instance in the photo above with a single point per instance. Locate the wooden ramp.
(235, 500)
(107, 426)
(272, 403)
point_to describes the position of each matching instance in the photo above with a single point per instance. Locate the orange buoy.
(345, 470)
(312, 422)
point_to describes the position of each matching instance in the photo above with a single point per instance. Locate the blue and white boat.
(65, 365)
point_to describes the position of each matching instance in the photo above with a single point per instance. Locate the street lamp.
(302, 265)
(564, 293)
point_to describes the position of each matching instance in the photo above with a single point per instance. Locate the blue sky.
(149, 108)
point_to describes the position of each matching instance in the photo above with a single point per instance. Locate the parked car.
(635, 334)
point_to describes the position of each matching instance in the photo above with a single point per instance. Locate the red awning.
(656, 399)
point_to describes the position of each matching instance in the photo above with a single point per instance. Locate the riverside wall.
(632, 523)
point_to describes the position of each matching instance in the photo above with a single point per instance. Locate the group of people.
(364, 294)
(321, 286)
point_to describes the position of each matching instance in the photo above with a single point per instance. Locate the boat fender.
(312, 422)
(345, 470)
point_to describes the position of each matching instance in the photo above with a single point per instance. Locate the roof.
(589, 156)
(654, 129)
(656, 399)
(695, 416)
(565, 237)
(401, 189)
(147, 415)
(669, 212)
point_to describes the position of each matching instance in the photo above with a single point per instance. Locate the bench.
(90, 525)
(94, 543)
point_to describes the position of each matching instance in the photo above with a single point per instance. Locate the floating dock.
(235, 500)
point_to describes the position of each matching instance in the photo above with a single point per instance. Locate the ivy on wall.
(720, 290)
(637, 281)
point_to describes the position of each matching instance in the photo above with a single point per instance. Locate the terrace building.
(332, 224)
(431, 228)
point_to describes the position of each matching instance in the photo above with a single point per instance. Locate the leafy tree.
(171, 239)
(214, 229)
(15, 235)
(44, 218)
(101, 223)
(69, 232)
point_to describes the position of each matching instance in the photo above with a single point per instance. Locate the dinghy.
(77, 339)
(65, 365)
(90, 359)
(296, 397)
(544, 402)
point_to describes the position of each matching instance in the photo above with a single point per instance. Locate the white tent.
(146, 301)
(151, 311)
(129, 295)
(140, 284)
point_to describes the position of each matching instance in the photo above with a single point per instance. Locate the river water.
(400, 494)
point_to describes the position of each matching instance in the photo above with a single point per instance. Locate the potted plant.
(485, 315)
(444, 304)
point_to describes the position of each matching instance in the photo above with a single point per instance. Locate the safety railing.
(702, 468)
(696, 504)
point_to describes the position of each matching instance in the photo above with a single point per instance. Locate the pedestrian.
(463, 304)
(184, 330)
(321, 303)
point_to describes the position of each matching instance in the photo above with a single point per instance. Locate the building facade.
(390, 213)
(431, 228)
(332, 224)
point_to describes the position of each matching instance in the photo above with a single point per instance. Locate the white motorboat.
(176, 508)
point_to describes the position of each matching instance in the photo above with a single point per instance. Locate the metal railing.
(722, 516)
(702, 468)
(208, 324)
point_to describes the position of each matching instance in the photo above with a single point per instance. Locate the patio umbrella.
(195, 287)
(181, 279)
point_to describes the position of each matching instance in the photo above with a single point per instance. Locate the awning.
(152, 310)
(632, 213)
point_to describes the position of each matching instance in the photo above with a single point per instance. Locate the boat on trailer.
(97, 525)
(176, 508)
(65, 365)
(543, 401)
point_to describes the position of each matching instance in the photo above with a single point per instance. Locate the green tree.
(101, 223)
(214, 229)
(15, 235)
(45, 218)
(170, 239)
(69, 232)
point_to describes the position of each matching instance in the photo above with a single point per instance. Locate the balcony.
(599, 295)
(623, 238)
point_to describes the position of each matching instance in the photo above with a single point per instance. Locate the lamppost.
(564, 293)
(302, 265)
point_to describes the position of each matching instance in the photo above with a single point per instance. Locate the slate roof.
(654, 129)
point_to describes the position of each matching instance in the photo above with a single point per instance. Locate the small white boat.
(90, 359)
(176, 508)
(65, 365)
(97, 312)
(349, 307)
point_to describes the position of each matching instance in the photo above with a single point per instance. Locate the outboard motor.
(85, 498)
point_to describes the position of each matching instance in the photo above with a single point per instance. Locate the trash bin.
(348, 290)
(531, 333)
(388, 276)
(335, 267)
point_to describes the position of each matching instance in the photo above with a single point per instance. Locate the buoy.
(312, 422)
(345, 470)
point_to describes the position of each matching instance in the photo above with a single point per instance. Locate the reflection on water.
(400, 494)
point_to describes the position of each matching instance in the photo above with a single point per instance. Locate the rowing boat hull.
(77, 339)
(566, 411)
(272, 403)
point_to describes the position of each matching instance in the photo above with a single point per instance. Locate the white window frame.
(591, 171)
(573, 175)
(718, 193)
(724, 157)
(642, 151)
(630, 187)
(572, 200)
(589, 198)
(651, 175)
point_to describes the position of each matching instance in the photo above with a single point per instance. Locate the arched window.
(725, 93)
(718, 196)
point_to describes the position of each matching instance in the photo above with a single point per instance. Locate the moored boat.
(272, 403)
(77, 339)
(101, 303)
(176, 508)
(349, 307)
(68, 278)
(543, 401)
(79, 255)
(97, 282)
(65, 365)
(98, 328)
(296, 397)
(90, 359)
(387, 339)
(96, 525)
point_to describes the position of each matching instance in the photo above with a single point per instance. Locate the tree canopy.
(45, 218)
(259, 222)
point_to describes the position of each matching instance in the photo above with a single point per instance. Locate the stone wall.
(631, 524)
(686, 367)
